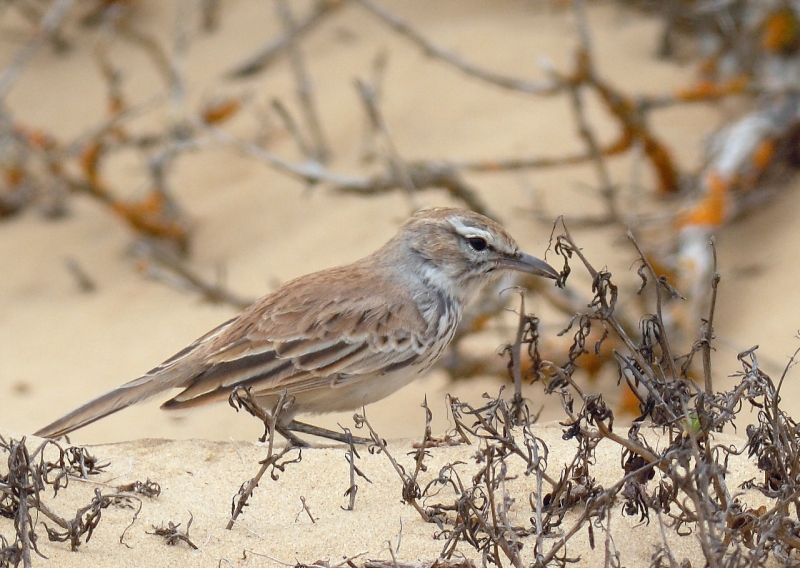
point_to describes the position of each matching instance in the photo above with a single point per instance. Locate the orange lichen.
(709, 66)
(152, 216)
(629, 402)
(763, 154)
(761, 158)
(714, 207)
(706, 90)
(89, 161)
(14, 175)
(780, 31)
(39, 139)
(215, 113)
(594, 361)
(633, 130)
(662, 163)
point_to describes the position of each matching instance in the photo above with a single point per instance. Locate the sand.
(199, 478)
(60, 346)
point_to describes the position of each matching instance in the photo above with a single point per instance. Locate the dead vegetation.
(26, 477)
(658, 341)
(682, 485)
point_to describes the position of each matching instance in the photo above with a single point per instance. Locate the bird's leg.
(293, 440)
(287, 431)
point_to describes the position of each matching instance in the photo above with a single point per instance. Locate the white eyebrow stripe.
(469, 232)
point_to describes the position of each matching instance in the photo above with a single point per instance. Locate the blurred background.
(164, 163)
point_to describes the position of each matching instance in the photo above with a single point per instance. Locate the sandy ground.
(60, 347)
(198, 479)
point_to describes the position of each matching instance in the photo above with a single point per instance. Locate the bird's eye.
(477, 243)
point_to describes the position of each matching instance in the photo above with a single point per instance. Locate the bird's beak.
(529, 264)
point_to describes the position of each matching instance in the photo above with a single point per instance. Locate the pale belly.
(348, 396)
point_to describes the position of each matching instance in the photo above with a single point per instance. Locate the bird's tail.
(119, 398)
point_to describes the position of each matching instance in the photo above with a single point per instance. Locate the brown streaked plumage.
(339, 338)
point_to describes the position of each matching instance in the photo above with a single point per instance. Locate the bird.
(337, 339)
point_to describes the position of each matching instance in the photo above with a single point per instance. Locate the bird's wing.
(317, 340)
